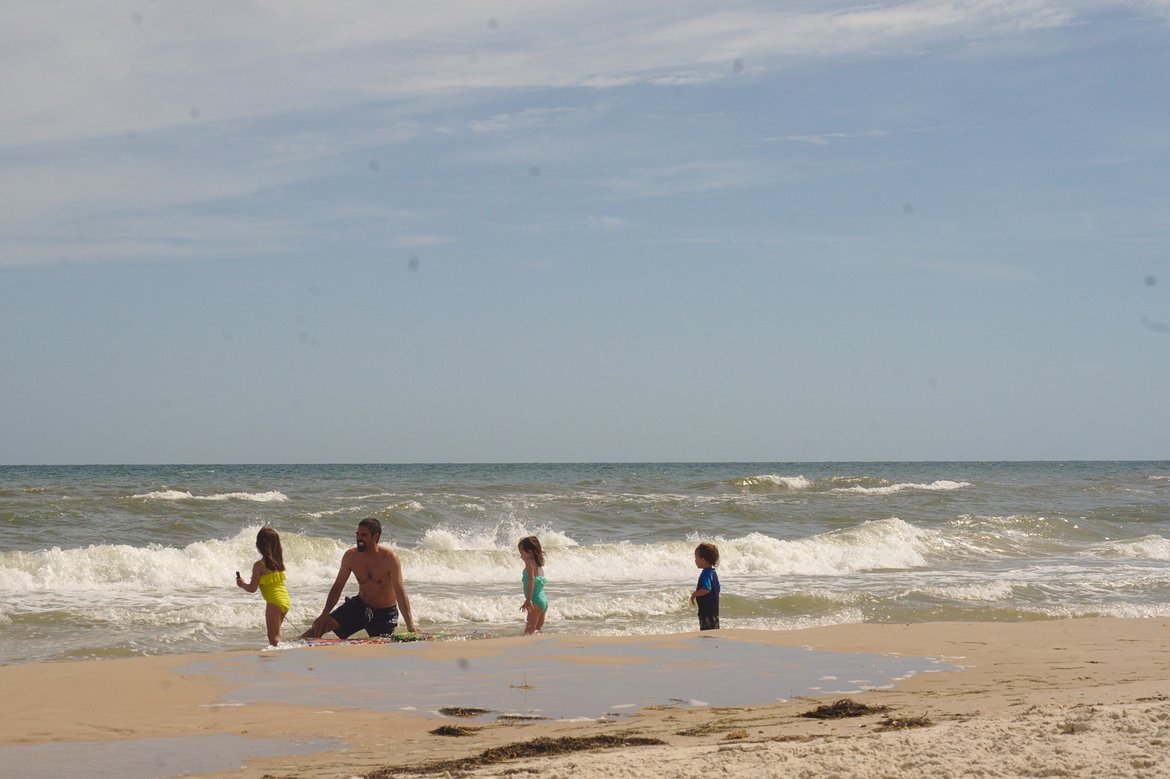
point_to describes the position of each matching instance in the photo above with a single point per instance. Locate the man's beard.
(361, 546)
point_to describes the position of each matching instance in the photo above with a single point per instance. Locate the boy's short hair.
(708, 552)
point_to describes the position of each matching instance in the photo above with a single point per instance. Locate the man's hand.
(320, 626)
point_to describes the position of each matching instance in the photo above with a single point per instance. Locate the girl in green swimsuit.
(268, 577)
(535, 601)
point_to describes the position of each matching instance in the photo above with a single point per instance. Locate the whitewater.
(117, 561)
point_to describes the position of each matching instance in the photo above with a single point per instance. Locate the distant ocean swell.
(757, 483)
(860, 485)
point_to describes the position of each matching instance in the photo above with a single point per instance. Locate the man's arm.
(324, 623)
(396, 581)
(338, 585)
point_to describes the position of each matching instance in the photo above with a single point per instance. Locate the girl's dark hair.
(708, 552)
(532, 544)
(268, 544)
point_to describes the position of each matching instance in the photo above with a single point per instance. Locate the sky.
(519, 231)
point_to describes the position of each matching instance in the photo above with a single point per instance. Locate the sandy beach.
(1083, 698)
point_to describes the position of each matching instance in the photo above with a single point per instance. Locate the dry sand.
(1072, 698)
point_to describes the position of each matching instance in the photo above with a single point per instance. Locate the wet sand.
(1055, 698)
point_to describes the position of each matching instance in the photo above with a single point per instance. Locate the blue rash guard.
(709, 603)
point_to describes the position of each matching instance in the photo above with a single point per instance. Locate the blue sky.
(584, 231)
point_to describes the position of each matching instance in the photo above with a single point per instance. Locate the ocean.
(120, 561)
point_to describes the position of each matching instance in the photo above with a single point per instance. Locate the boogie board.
(397, 638)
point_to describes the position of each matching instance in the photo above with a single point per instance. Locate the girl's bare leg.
(535, 617)
(273, 618)
(535, 620)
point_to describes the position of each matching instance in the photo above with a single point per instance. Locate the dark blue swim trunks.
(355, 615)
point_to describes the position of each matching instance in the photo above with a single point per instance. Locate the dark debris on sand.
(539, 747)
(460, 711)
(517, 718)
(844, 708)
(454, 730)
(904, 723)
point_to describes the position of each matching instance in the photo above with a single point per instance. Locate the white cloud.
(692, 177)
(824, 139)
(422, 240)
(76, 188)
(135, 118)
(608, 222)
(179, 236)
(79, 69)
(523, 120)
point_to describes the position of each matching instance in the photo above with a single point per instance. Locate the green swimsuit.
(538, 596)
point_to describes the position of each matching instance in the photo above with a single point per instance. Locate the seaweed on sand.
(903, 723)
(844, 708)
(461, 711)
(538, 747)
(454, 730)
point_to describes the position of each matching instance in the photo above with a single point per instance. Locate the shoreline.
(1078, 697)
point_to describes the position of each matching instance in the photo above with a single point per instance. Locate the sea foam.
(1151, 547)
(271, 496)
(774, 481)
(942, 485)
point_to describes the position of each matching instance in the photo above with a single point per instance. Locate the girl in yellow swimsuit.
(268, 577)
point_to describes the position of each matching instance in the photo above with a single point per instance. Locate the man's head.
(369, 530)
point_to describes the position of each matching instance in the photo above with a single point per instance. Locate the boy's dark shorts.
(355, 615)
(708, 622)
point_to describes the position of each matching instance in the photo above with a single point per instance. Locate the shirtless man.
(381, 592)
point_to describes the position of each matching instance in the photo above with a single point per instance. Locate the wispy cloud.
(690, 178)
(415, 241)
(177, 237)
(130, 122)
(74, 69)
(824, 139)
(522, 120)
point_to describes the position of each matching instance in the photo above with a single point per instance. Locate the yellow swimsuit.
(273, 589)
